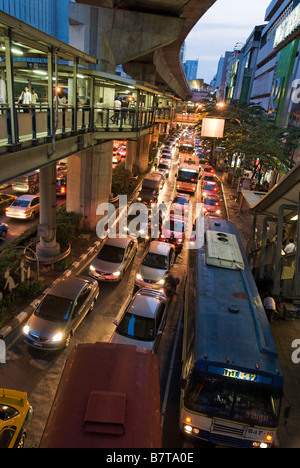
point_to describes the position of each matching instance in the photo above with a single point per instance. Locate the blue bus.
(232, 383)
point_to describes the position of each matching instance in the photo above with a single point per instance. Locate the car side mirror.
(115, 323)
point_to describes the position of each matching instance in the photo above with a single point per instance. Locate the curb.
(25, 314)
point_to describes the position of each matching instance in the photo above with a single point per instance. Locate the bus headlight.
(190, 429)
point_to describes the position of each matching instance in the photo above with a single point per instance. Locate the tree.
(250, 133)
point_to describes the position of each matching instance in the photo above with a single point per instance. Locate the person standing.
(291, 247)
(34, 96)
(117, 109)
(25, 99)
(270, 308)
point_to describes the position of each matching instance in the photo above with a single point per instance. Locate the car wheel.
(3, 234)
(67, 340)
(32, 215)
(21, 443)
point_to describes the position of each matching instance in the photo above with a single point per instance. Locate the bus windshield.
(187, 176)
(240, 402)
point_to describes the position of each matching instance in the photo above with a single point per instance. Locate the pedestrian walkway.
(284, 332)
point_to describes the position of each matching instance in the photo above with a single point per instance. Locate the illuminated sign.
(239, 375)
(288, 26)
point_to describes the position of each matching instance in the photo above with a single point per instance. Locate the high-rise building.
(278, 66)
(49, 16)
(191, 69)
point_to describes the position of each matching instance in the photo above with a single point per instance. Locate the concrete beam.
(14, 164)
(130, 34)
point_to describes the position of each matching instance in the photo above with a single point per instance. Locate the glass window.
(7, 412)
(6, 437)
(111, 254)
(156, 261)
(55, 308)
(233, 400)
(137, 327)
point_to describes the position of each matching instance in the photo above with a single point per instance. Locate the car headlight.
(139, 276)
(58, 337)
(26, 329)
(116, 273)
(139, 199)
(161, 281)
(92, 268)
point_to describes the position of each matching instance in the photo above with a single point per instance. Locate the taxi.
(15, 414)
(5, 201)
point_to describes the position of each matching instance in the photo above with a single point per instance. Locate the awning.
(286, 192)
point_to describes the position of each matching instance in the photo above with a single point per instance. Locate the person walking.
(270, 307)
(25, 99)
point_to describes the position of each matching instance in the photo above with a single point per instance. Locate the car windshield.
(181, 200)
(210, 188)
(237, 401)
(137, 327)
(7, 412)
(153, 260)
(209, 178)
(54, 308)
(175, 226)
(163, 167)
(210, 201)
(21, 203)
(111, 254)
(186, 176)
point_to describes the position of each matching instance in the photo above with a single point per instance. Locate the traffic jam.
(180, 177)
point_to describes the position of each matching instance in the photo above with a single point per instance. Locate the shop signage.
(288, 26)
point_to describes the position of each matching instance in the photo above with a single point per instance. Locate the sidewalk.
(284, 333)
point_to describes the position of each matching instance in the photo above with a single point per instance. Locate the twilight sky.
(225, 24)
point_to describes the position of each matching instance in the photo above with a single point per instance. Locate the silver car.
(113, 259)
(60, 312)
(143, 322)
(24, 207)
(155, 265)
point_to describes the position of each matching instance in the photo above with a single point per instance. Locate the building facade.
(49, 16)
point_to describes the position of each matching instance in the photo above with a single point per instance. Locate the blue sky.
(225, 24)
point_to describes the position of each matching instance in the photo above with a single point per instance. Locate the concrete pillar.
(131, 154)
(47, 247)
(89, 182)
(142, 154)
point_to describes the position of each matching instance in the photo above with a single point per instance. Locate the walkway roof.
(286, 192)
(40, 42)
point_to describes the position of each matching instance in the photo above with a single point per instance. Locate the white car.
(143, 321)
(113, 259)
(24, 207)
(155, 265)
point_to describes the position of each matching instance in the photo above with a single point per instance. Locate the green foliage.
(123, 181)
(250, 132)
(67, 225)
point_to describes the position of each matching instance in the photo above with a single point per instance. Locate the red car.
(209, 189)
(208, 170)
(212, 205)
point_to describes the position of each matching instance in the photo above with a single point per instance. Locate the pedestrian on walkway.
(34, 96)
(25, 99)
(290, 248)
(270, 308)
(117, 110)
